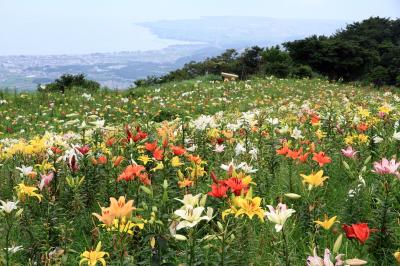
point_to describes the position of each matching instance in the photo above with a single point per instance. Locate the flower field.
(259, 172)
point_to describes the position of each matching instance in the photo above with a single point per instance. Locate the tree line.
(367, 51)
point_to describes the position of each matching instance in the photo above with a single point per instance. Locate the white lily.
(279, 215)
(296, 133)
(239, 149)
(25, 170)
(190, 200)
(192, 216)
(8, 206)
(219, 148)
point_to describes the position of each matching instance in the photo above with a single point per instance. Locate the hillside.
(266, 171)
(35, 112)
(367, 51)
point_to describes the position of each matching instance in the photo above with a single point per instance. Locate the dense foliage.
(367, 51)
(69, 82)
(258, 172)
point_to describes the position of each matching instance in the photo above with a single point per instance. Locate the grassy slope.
(30, 114)
(36, 113)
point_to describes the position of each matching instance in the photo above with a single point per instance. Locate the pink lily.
(386, 167)
(46, 179)
(349, 152)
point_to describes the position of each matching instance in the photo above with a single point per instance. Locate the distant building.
(229, 76)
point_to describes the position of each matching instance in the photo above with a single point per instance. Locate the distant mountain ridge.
(235, 32)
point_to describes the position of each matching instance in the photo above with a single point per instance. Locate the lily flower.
(314, 180)
(93, 256)
(327, 222)
(397, 256)
(191, 216)
(218, 191)
(321, 158)
(8, 206)
(358, 231)
(45, 180)
(250, 207)
(106, 217)
(219, 148)
(315, 260)
(121, 208)
(23, 191)
(349, 152)
(386, 167)
(190, 200)
(279, 215)
(26, 170)
(132, 171)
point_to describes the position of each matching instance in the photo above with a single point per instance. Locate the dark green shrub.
(303, 71)
(70, 81)
(379, 76)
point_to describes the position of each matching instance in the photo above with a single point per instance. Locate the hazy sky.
(84, 26)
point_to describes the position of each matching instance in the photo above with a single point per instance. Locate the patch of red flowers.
(219, 188)
(152, 147)
(133, 171)
(293, 154)
(140, 135)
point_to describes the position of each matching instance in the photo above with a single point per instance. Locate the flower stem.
(192, 247)
(286, 249)
(9, 226)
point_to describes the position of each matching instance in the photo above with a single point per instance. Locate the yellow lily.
(314, 180)
(327, 222)
(250, 207)
(144, 159)
(92, 257)
(24, 190)
(176, 162)
(245, 205)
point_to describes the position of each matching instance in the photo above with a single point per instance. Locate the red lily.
(140, 135)
(220, 141)
(218, 191)
(83, 150)
(283, 151)
(362, 127)
(56, 150)
(178, 150)
(294, 154)
(321, 158)
(358, 231)
(236, 185)
(303, 157)
(315, 119)
(158, 154)
(132, 171)
(129, 134)
(150, 146)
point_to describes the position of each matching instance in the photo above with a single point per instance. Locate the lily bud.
(338, 244)
(292, 196)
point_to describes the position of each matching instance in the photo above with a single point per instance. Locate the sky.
(85, 26)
